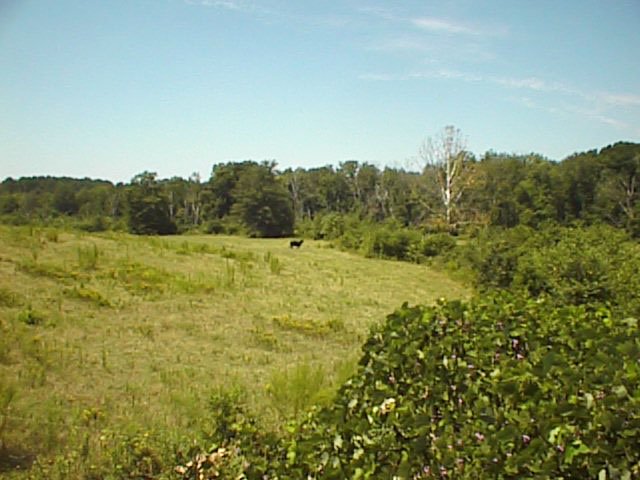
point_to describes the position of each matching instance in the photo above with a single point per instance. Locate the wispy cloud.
(240, 6)
(604, 99)
(440, 25)
(623, 100)
(530, 83)
(603, 107)
(378, 77)
(596, 114)
(279, 15)
(446, 26)
(574, 110)
(402, 43)
(446, 73)
(226, 4)
(380, 12)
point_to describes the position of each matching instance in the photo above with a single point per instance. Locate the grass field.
(109, 335)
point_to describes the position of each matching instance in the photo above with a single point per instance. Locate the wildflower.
(388, 405)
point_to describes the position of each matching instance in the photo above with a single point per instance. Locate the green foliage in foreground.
(501, 387)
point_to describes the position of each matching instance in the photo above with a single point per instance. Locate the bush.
(573, 265)
(391, 242)
(502, 387)
(225, 226)
(331, 226)
(436, 244)
(237, 447)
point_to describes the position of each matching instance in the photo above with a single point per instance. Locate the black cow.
(295, 243)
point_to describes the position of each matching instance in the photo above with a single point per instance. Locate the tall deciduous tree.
(620, 190)
(262, 202)
(446, 160)
(148, 208)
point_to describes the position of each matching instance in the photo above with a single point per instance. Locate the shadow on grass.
(15, 458)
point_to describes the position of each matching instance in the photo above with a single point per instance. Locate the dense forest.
(258, 200)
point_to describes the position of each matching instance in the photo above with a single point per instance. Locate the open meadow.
(109, 336)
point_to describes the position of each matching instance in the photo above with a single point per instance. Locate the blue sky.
(110, 88)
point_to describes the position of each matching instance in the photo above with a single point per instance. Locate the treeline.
(256, 199)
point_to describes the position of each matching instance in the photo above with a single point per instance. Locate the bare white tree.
(446, 160)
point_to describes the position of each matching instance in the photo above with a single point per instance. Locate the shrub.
(30, 317)
(97, 223)
(573, 265)
(436, 244)
(331, 226)
(237, 448)
(502, 387)
(226, 226)
(388, 241)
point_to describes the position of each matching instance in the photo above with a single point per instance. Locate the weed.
(147, 331)
(5, 346)
(336, 325)
(88, 257)
(275, 265)
(184, 248)
(104, 359)
(35, 247)
(141, 279)
(7, 394)
(229, 279)
(9, 298)
(236, 255)
(39, 269)
(293, 390)
(30, 317)
(52, 235)
(265, 338)
(88, 295)
(307, 326)
(92, 415)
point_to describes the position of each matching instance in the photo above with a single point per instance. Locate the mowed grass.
(105, 335)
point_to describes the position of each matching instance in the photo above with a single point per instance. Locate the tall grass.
(294, 389)
(88, 256)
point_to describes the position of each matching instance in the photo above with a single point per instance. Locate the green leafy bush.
(579, 266)
(436, 244)
(390, 241)
(31, 317)
(237, 446)
(502, 387)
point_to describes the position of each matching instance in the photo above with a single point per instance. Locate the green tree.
(619, 190)
(576, 186)
(262, 203)
(64, 198)
(147, 208)
(218, 195)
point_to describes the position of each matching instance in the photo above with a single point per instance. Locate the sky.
(111, 88)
